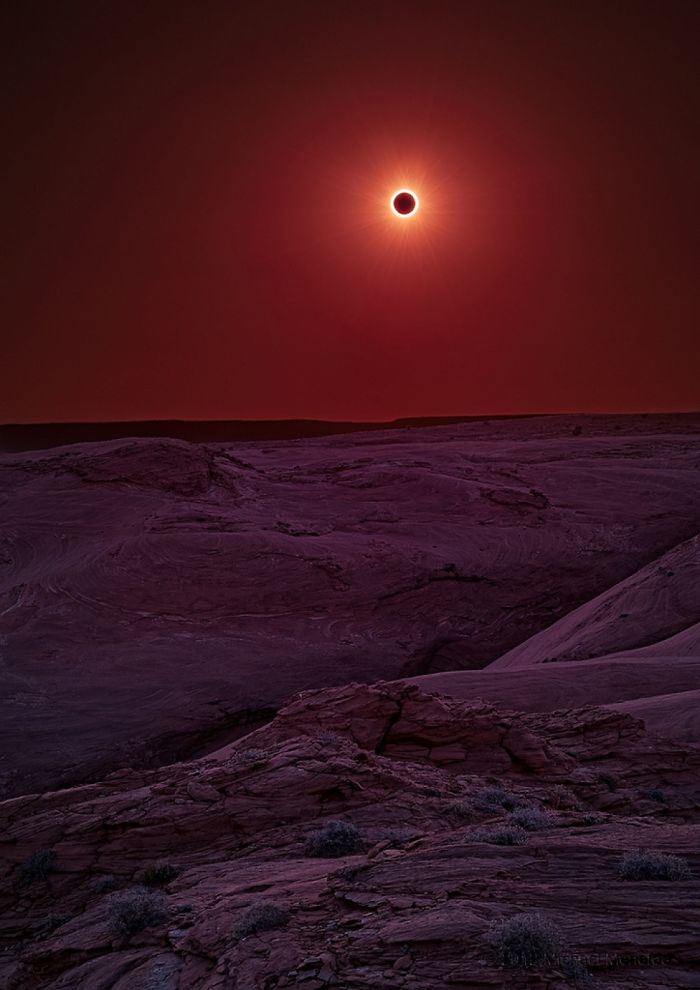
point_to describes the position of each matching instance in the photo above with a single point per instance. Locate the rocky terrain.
(579, 661)
(158, 598)
(409, 899)
(415, 709)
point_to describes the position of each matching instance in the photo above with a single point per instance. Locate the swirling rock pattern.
(158, 597)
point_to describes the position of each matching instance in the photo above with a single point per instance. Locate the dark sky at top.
(196, 221)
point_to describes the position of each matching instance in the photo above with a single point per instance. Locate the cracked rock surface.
(423, 778)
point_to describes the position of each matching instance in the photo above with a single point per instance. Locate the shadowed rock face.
(655, 610)
(615, 650)
(159, 598)
(422, 778)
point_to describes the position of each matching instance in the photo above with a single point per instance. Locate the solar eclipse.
(404, 203)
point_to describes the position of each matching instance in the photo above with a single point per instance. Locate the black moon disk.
(404, 203)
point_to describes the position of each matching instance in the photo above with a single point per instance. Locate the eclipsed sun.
(404, 203)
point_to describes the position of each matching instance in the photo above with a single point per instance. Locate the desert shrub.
(333, 840)
(263, 917)
(37, 866)
(133, 910)
(525, 941)
(490, 798)
(159, 874)
(531, 819)
(646, 865)
(504, 836)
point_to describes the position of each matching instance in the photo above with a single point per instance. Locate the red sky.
(197, 220)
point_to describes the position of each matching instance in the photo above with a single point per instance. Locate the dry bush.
(646, 865)
(133, 910)
(503, 836)
(525, 941)
(491, 798)
(333, 840)
(531, 819)
(159, 874)
(262, 917)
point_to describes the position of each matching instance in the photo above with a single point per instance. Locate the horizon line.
(351, 422)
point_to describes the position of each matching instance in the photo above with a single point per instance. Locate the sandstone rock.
(161, 598)
(413, 916)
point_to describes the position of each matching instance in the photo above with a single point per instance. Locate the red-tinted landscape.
(494, 627)
(349, 495)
